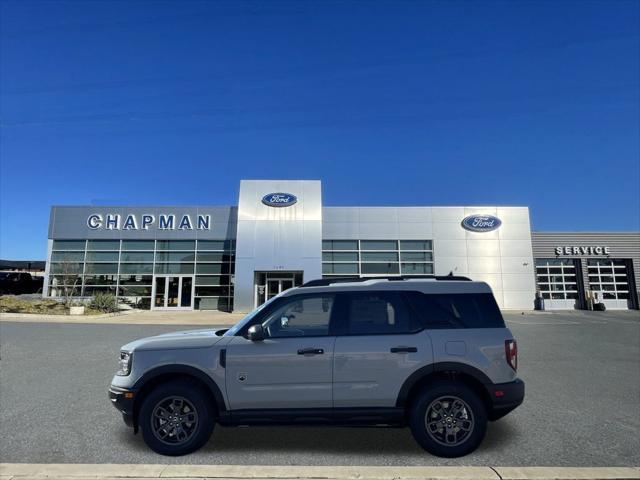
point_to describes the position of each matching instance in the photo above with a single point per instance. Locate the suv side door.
(380, 343)
(292, 366)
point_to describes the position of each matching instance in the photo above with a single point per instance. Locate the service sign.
(481, 223)
(279, 199)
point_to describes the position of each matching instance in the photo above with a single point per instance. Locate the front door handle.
(404, 349)
(310, 351)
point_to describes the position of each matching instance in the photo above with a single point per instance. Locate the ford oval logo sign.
(279, 199)
(481, 223)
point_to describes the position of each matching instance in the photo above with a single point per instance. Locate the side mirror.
(255, 333)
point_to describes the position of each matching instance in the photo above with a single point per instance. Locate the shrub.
(104, 302)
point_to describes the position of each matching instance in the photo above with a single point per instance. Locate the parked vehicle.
(432, 353)
(17, 283)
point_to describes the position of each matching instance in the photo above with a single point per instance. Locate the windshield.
(236, 328)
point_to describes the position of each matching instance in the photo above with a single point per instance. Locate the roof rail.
(323, 282)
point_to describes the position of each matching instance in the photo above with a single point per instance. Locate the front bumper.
(122, 399)
(505, 397)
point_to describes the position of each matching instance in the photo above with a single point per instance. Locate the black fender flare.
(423, 372)
(184, 370)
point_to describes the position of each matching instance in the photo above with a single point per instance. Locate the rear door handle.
(404, 349)
(310, 351)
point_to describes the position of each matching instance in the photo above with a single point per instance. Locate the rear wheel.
(176, 418)
(448, 419)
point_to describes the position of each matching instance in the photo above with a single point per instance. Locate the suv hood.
(174, 340)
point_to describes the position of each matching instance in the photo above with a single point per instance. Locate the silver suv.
(431, 353)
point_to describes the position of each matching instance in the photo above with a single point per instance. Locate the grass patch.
(13, 304)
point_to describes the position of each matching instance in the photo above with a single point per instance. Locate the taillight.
(511, 351)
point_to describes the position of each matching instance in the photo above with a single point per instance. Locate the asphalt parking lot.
(582, 406)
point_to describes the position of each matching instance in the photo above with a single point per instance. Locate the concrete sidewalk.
(22, 471)
(134, 317)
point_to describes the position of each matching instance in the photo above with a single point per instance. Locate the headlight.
(124, 364)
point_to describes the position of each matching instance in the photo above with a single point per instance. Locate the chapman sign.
(481, 223)
(145, 222)
(584, 250)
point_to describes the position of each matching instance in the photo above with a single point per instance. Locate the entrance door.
(173, 292)
(270, 284)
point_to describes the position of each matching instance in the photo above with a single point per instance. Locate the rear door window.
(379, 313)
(463, 310)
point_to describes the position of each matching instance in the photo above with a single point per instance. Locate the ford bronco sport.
(431, 353)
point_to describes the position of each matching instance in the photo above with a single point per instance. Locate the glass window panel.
(214, 268)
(102, 256)
(546, 295)
(68, 244)
(378, 245)
(136, 268)
(572, 295)
(175, 256)
(136, 257)
(555, 271)
(608, 287)
(623, 295)
(541, 262)
(67, 256)
(176, 245)
(101, 268)
(340, 256)
(557, 279)
(212, 280)
(135, 279)
(416, 245)
(100, 279)
(543, 279)
(379, 257)
(417, 256)
(380, 268)
(103, 245)
(379, 313)
(557, 296)
(221, 303)
(90, 291)
(621, 278)
(135, 291)
(138, 244)
(340, 245)
(215, 245)
(341, 268)
(174, 268)
(544, 287)
(417, 268)
(212, 291)
(66, 268)
(213, 257)
(609, 295)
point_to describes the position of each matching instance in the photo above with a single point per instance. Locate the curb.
(25, 471)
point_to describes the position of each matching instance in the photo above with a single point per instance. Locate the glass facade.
(377, 257)
(127, 269)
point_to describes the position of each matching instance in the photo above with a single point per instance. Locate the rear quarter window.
(459, 310)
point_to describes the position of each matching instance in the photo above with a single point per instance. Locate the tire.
(183, 402)
(460, 408)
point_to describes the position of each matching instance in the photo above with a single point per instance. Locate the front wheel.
(448, 419)
(176, 418)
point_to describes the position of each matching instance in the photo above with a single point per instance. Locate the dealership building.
(280, 235)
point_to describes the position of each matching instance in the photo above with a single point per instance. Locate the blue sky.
(402, 103)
